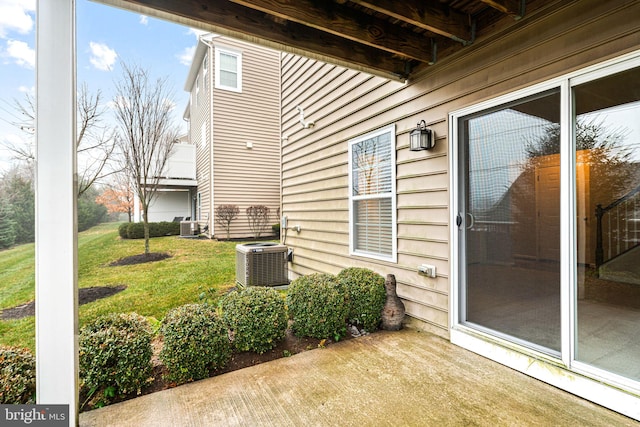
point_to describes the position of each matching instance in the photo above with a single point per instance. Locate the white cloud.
(186, 56)
(20, 53)
(16, 15)
(102, 56)
(197, 33)
(30, 90)
(144, 19)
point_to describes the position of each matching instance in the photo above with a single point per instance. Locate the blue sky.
(105, 36)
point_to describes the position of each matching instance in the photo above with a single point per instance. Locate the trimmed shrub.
(17, 376)
(135, 230)
(123, 230)
(195, 342)
(115, 353)
(319, 306)
(367, 296)
(257, 318)
(276, 230)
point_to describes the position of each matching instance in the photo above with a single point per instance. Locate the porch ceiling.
(394, 39)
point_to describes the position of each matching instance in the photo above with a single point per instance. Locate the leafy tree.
(225, 214)
(145, 133)
(118, 197)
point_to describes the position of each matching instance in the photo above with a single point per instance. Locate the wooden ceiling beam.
(349, 23)
(430, 15)
(510, 7)
(255, 26)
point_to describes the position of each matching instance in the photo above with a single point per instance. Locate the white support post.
(56, 231)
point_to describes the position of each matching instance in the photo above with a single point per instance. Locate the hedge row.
(115, 350)
(135, 230)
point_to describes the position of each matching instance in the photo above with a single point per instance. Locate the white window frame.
(391, 130)
(604, 388)
(230, 52)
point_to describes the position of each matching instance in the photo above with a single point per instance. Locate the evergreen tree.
(18, 193)
(7, 226)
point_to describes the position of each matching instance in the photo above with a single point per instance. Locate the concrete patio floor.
(405, 378)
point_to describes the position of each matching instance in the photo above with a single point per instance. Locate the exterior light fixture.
(421, 138)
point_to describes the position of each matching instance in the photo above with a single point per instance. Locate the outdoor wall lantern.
(421, 138)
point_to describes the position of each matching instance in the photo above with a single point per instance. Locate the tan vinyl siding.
(199, 117)
(346, 104)
(244, 176)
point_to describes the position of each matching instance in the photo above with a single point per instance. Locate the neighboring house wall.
(176, 188)
(239, 160)
(346, 104)
(169, 204)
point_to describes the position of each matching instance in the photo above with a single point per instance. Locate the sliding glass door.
(555, 163)
(607, 142)
(510, 221)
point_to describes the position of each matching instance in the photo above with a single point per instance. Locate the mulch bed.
(140, 259)
(289, 346)
(85, 295)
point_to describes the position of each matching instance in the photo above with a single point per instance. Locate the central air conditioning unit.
(189, 229)
(261, 264)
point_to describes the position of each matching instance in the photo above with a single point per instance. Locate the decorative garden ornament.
(393, 310)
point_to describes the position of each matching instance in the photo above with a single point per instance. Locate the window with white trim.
(228, 70)
(372, 200)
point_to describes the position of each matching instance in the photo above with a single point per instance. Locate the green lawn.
(195, 266)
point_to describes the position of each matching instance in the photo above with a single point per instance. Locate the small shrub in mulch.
(115, 355)
(195, 342)
(367, 295)
(140, 259)
(256, 317)
(318, 305)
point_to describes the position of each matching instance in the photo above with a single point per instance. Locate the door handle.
(471, 220)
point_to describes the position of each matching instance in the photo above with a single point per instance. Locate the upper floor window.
(228, 70)
(372, 201)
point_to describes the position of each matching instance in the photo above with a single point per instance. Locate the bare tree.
(95, 142)
(225, 214)
(146, 133)
(258, 216)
